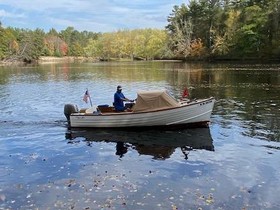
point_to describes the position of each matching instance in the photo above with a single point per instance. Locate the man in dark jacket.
(119, 99)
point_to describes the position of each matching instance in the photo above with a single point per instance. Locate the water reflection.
(159, 144)
(38, 171)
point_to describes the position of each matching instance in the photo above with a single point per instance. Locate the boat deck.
(110, 110)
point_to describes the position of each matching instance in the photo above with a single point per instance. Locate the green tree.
(180, 29)
(239, 28)
(251, 36)
(31, 45)
(76, 41)
(8, 43)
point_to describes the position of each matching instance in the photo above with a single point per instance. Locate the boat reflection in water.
(159, 144)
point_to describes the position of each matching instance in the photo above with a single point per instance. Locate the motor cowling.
(68, 110)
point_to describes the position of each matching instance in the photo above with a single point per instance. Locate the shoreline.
(52, 59)
(71, 59)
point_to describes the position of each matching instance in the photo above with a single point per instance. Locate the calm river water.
(233, 164)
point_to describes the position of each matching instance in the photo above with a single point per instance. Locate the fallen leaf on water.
(2, 197)
(174, 207)
(210, 199)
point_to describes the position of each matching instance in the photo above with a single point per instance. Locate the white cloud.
(97, 15)
(5, 14)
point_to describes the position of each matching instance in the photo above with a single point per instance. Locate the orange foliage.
(197, 48)
(63, 48)
(56, 44)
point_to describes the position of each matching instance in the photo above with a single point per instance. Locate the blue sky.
(89, 15)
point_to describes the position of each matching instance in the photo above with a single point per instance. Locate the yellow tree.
(223, 42)
(119, 44)
(156, 43)
(107, 44)
(94, 48)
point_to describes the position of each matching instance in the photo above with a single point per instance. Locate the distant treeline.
(203, 29)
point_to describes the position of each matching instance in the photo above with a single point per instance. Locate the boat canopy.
(154, 100)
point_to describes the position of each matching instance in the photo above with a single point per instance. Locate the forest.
(199, 30)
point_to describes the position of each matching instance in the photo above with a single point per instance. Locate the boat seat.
(104, 109)
(91, 110)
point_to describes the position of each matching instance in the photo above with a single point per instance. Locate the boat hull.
(196, 113)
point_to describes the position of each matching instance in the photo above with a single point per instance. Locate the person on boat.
(119, 99)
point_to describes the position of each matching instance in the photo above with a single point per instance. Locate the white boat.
(151, 109)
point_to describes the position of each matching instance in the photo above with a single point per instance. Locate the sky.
(88, 15)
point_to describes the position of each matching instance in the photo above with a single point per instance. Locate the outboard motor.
(68, 110)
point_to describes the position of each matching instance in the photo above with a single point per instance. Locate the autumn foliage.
(200, 29)
(197, 48)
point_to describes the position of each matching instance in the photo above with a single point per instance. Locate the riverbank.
(50, 59)
(68, 59)
(80, 59)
